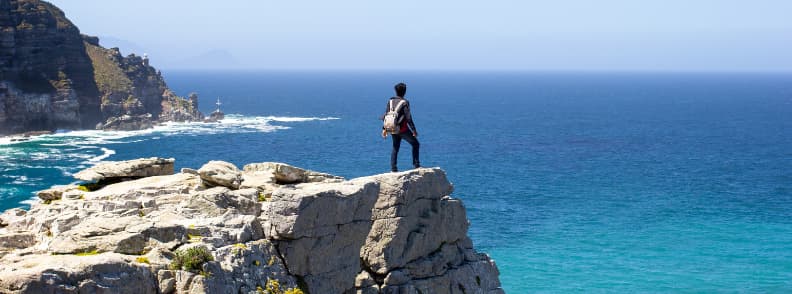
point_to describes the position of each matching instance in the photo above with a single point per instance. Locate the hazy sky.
(676, 35)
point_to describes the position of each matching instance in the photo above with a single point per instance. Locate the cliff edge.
(53, 77)
(136, 227)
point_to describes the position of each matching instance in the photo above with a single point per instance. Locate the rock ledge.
(388, 233)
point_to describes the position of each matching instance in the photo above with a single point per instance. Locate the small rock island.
(138, 227)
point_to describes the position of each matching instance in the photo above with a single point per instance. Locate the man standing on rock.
(398, 121)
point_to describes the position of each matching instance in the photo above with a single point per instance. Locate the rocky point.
(138, 227)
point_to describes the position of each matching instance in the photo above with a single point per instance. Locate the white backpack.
(392, 121)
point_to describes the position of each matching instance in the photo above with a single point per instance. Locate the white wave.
(14, 140)
(298, 119)
(30, 201)
(46, 154)
(233, 123)
(65, 171)
(107, 153)
(71, 151)
(20, 180)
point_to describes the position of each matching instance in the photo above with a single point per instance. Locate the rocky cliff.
(53, 77)
(268, 228)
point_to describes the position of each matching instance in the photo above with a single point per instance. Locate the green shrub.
(273, 287)
(191, 259)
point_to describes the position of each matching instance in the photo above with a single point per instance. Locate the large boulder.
(103, 273)
(130, 169)
(221, 173)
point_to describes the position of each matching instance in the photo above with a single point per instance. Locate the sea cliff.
(138, 227)
(53, 77)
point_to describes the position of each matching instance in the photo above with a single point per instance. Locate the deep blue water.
(612, 182)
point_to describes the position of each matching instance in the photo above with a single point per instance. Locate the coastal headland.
(138, 227)
(53, 77)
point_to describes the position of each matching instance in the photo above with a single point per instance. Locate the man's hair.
(400, 88)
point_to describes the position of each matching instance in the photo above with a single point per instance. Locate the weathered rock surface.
(390, 233)
(139, 168)
(105, 273)
(52, 77)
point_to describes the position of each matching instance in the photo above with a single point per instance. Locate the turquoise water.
(573, 182)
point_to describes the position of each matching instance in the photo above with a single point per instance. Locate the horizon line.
(472, 70)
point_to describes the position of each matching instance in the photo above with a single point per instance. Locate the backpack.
(391, 122)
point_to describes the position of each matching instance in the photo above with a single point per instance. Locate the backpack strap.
(398, 106)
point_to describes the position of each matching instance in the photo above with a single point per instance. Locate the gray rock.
(364, 280)
(11, 216)
(187, 170)
(138, 168)
(103, 273)
(128, 123)
(471, 277)
(184, 281)
(287, 174)
(390, 233)
(54, 193)
(17, 240)
(221, 173)
(397, 277)
(167, 281)
(158, 186)
(245, 266)
(322, 228)
(412, 218)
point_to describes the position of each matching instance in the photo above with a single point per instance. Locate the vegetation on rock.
(88, 253)
(109, 76)
(191, 259)
(273, 287)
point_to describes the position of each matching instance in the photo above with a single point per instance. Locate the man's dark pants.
(407, 136)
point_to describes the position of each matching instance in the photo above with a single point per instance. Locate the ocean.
(573, 182)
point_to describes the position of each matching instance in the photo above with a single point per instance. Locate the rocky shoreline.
(138, 227)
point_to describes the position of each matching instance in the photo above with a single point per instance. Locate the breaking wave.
(65, 152)
(232, 124)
